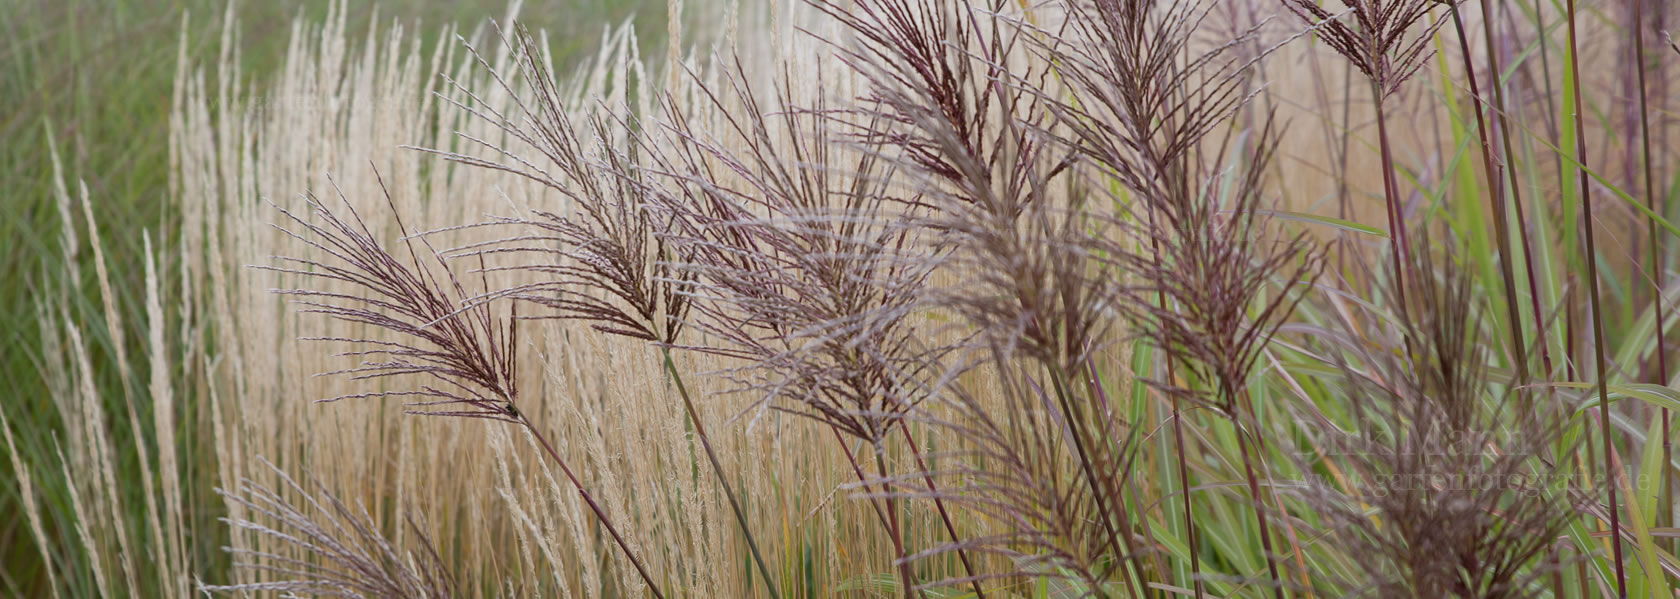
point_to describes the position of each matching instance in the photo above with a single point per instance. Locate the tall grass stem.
(1591, 258)
(717, 469)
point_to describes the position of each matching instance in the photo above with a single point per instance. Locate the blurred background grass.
(93, 78)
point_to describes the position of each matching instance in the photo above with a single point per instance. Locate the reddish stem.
(600, 514)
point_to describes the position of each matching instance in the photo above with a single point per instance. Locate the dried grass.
(927, 282)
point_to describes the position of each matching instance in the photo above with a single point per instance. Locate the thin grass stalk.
(717, 469)
(1654, 257)
(1093, 385)
(1555, 140)
(1594, 300)
(1388, 43)
(1571, 335)
(1253, 427)
(1555, 556)
(1342, 152)
(1184, 481)
(1098, 491)
(1178, 435)
(1339, 145)
(884, 507)
(857, 469)
(1241, 404)
(944, 514)
(1496, 199)
(895, 527)
(600, 514)
(1583, 580)
(1552, 125)
(1289, 535)
(1495, 117)
(885, 513)
(1400, 248)
(1178, 428)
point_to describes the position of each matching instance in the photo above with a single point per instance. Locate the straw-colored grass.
(337, 118)
(1072, 423)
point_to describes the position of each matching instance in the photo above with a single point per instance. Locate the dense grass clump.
(1136, 298)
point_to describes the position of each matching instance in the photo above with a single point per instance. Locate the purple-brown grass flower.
(463, 354)
(801, 261)
(345, 553)
(1450, 490)
(604, 260)
(1386, 40)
